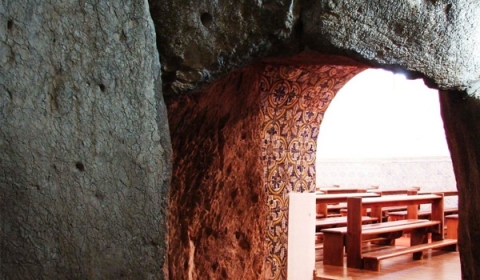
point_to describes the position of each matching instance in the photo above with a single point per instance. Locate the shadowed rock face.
(438, 39)
(200, 41)
(84, 142)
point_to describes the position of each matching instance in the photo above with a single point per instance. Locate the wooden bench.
(394, 192)
(333, 222)
(452, 226)
(387, 210)
(422, 214)
(342, 190)
(371, 260)
(425, 214)
(445, 193)
(335, 238)
(322, 200)
(355, 233)
(324, 223)
(333, 209)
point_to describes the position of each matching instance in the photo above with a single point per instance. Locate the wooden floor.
(437, 265)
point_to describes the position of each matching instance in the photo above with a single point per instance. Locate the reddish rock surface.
(240, 147)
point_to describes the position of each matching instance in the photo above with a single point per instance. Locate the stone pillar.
(84, 143)
(460, 113)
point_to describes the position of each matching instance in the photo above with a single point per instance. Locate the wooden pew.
(322, 200)
(333, 222)
(342, 190)
(387, 210)
(333, 209)
(445, 193)
(425, 213)
(422, 214)
(452, 226)
(323, 221)
(393, 192)
(355, 233)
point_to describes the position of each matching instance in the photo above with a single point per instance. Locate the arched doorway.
(382, 129)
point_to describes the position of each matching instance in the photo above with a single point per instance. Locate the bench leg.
(371, 264)
(418, 236)
(452, 227)
(333, 246)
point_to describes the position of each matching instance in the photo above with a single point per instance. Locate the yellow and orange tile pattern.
(294, 100)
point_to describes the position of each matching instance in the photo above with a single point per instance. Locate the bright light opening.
(382, 129)
(378, 114)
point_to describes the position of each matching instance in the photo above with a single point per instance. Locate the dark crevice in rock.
(206, 19)
(102, 87)
(80, 166)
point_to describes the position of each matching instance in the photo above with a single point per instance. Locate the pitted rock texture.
(201, 41)
(218, 211)
(84, 142)
(436, 38)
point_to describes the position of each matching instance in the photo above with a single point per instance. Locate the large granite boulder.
(84, 142)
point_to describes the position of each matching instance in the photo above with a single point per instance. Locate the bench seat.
(378, 228)
(396, 226)
(371, 260)
(334, 238)
(339, 221)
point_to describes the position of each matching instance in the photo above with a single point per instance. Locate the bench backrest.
(342, 190)
(411, 201)
(393, 192)
(323, 199)
(445, 193)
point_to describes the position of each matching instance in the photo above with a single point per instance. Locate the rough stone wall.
(200, 41)
(439, 39)
(217, 201)
(84, 141)
(436, 39)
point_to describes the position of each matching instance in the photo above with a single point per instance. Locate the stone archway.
(239, 148)
(435, 40)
